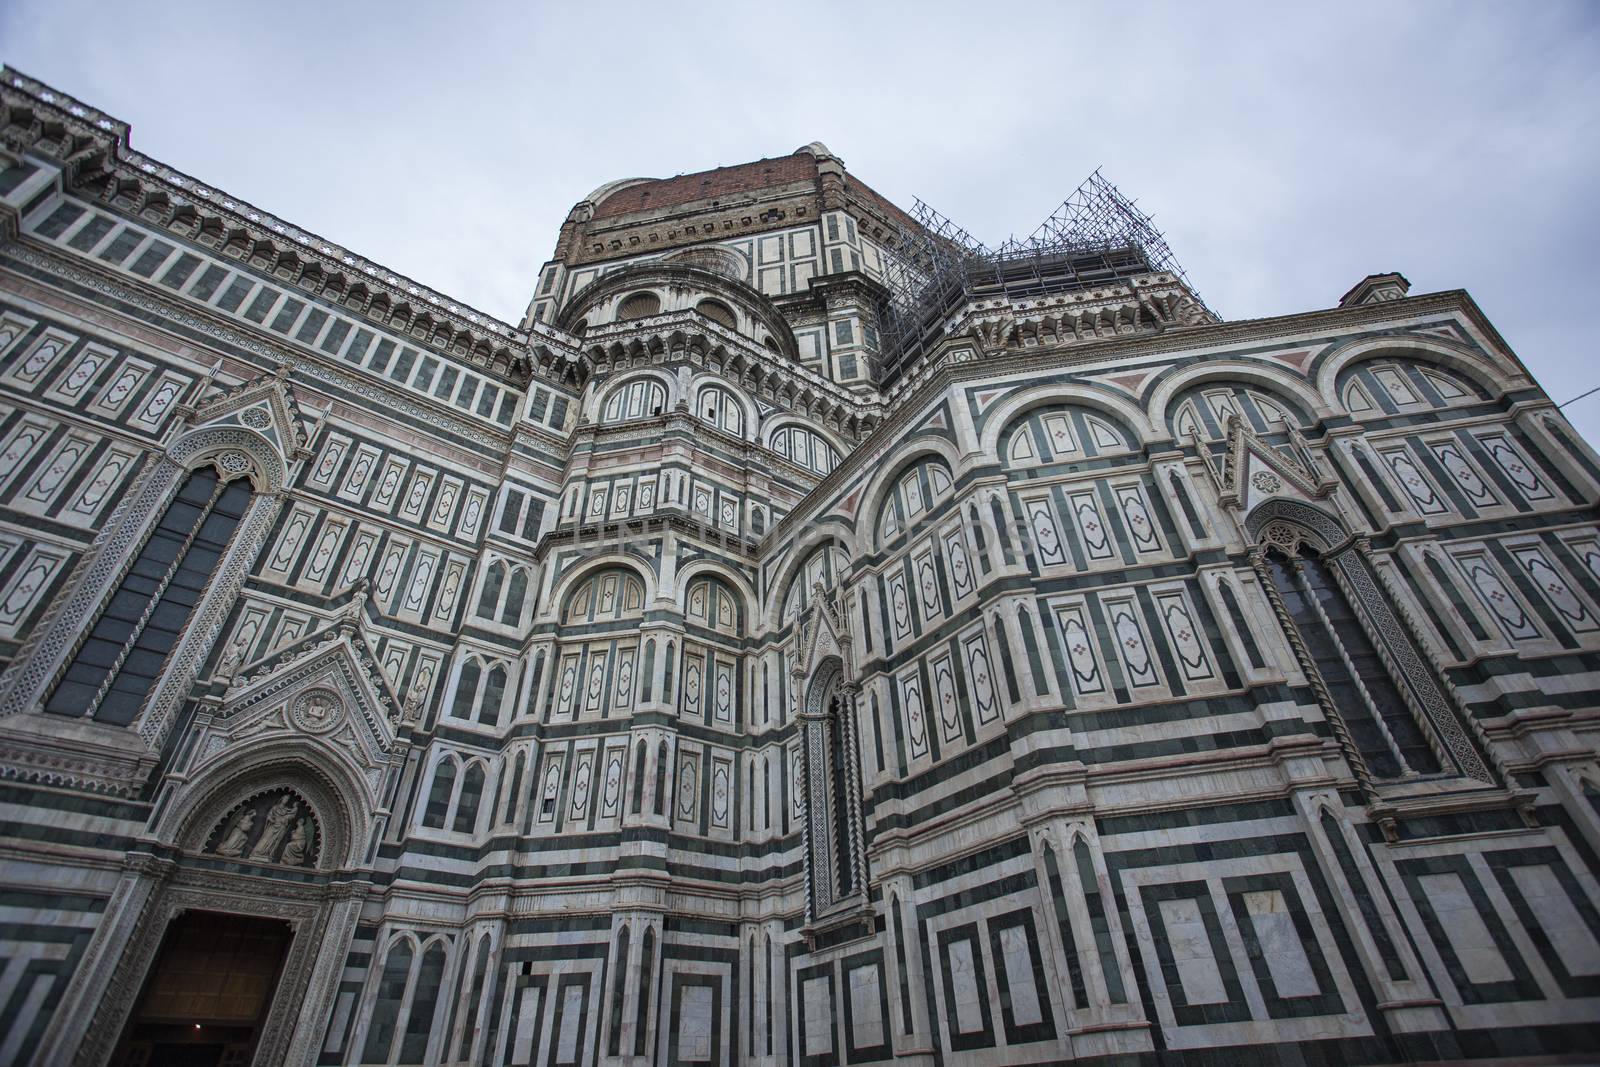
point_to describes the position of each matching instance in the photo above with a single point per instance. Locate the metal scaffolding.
(1096, 236)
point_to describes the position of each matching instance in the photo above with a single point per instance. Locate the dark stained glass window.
(113, 671)
(1381, 725)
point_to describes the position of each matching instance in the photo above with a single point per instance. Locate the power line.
(1579, 397)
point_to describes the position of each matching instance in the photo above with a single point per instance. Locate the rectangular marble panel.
(1017, 960)
(1465, 929)
(968, 1016)
(818, 1037)
(866, 1007)
(526, 1026)
(1574, 942)
(1280, 944)
(571, 1016)
(1190, 945)
(694, 1024)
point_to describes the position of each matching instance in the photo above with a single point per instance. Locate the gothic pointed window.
(118, 663)
(439, 794)
(424, 1002)
(493, 578)
(619, 986)
(516, 593)
(1381, 724)
(647, 966)
(466, 818)
(386, 1007)
(469, 1027)
(838, 774)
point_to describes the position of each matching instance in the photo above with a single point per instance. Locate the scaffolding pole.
(1097, 235)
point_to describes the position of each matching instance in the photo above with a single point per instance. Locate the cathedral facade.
(809, 637)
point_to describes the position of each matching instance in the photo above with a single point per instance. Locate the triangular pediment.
(1254, 470)
(325, 688)
(824, 633)
(266, 405)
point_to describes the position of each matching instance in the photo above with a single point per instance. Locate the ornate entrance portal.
(208, 992)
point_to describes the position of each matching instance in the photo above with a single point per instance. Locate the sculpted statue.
(277, 826)
(232, 659)
(414, 699)
(232, 843)
(294, 853)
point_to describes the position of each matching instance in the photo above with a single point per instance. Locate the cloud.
(1286, 151)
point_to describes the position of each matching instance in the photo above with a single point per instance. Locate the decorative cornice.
(682, 276)
(94, 152)
(1145, 346)
(611, 349)
(610, 533)
(413, 409)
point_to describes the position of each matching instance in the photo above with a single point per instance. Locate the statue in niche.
(232, 658)
(412, 708)
(277, 826)
(294, 853)
(238, 833)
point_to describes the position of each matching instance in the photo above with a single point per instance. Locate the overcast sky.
(1286, 153)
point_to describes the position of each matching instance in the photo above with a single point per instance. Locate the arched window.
(444, 781)
(661, 778)
(467, 689)
(386, 1007)
(766, 793)
(1062, 433)
(804, 447)
(647, 966)
(838, 740)
(466, 820)
(619, 986)
(711, 603)
(469, 1025)
(493, 578)
(639, 306)
(639, 753)
(516, 593)
(719, 407)
(608, 595)
(916, 491)
(1382, 388)
(750, 996)
(114, 669)
(1380, 723)
(826, 565)
(494, 695)
(1069, 944)
(1094, 901)
(718, 312)
(515, 791)
(1206, 409)
(637, 399)
(424, 1004)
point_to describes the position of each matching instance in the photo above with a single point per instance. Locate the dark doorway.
(207, 994)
